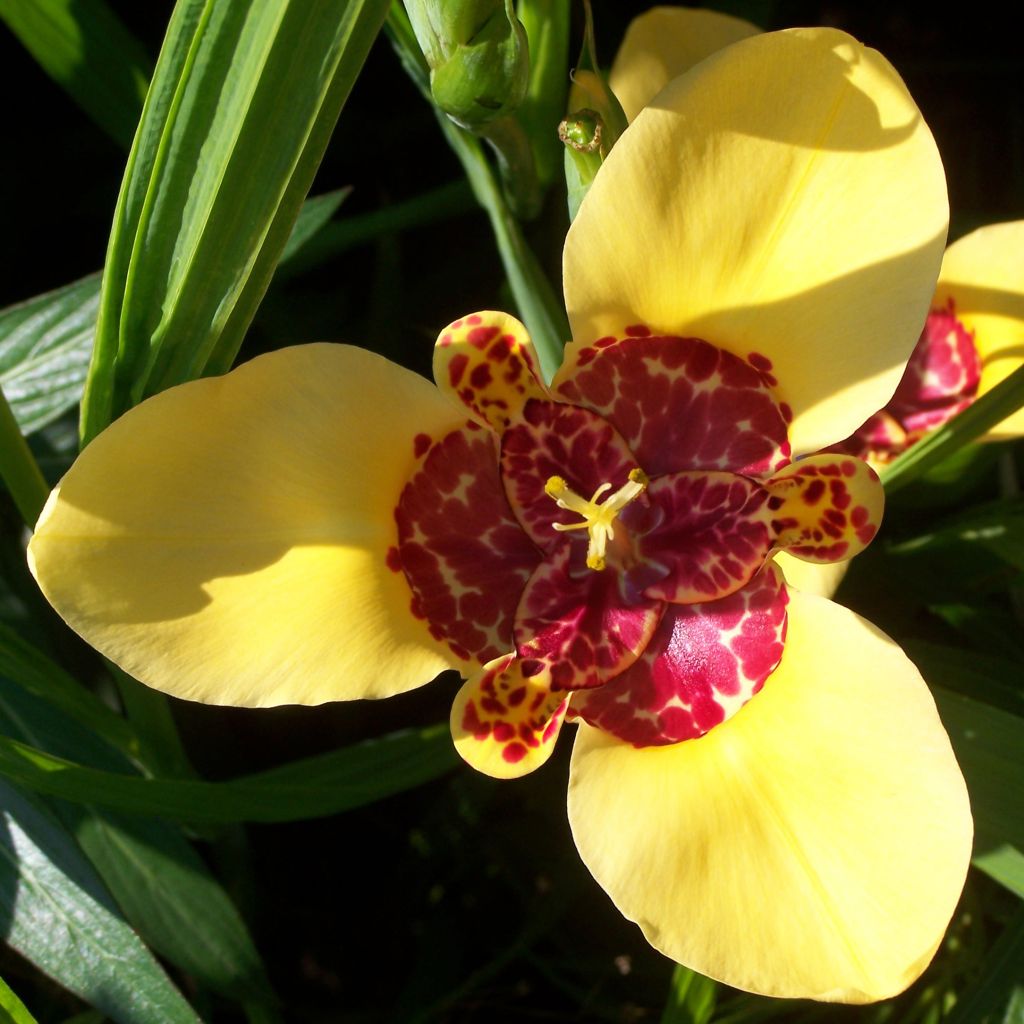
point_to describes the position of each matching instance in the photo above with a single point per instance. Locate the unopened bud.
(478, 57)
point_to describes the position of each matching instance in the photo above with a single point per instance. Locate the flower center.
(598, 519)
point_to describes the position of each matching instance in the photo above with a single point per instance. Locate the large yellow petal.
(814, 845)
(662, 43)
(784, 197)
(983, 273)
(227, 541)
(821, 578)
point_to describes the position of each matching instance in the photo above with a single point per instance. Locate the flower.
(744, 280)
(973, 338)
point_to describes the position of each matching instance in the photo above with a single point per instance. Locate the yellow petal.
(505, 722)
(813, 845)
(227, 541)
(783, 198)
(983, 273)
(821, 578)
(486, 364)
(662, 43)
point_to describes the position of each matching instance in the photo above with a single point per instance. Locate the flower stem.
(536, 301)
(18, 468)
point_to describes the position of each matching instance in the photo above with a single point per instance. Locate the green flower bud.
(478, 57)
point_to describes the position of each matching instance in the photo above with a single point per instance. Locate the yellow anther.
(598, 519)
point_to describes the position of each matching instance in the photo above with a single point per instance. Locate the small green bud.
(478, 57)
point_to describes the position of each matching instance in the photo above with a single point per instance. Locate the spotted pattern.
(554, 439)
(505, 722)
(703, 664)
(461, 549)
(486, 363)
(684, 623)
(826, 507)
(681, 403)
(708, 535)
(941, 380)
(578, 625)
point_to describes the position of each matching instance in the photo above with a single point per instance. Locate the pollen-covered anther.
(598, 519)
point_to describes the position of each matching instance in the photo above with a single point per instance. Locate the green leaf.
(992, 408)
(12, 1009)
(242, 105)
(314, 214)
(45, 344)
(989, 744)
(691, 998)
(46, 341)
(161, 885)
(1005, 864)
(85, 48)
(56, 913)
(34, 672)
(996, 527)
(994, 996)
(310, 788)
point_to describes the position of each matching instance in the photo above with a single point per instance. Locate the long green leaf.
(992, 408)
(989, 745)
(691, 998)
(310, 788)
(1000, 985)
(1005, 864)
(161, 885)
(55, 912)
(85, 48)
(34, 672)
(12, 1009)
(45, 345)
(243, 101)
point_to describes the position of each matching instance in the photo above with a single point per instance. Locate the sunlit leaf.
(243, 102)
(57, 914)
(160, 883)
(13, 1007)
(310, 788)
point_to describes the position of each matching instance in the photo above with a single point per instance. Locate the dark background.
(464, 900)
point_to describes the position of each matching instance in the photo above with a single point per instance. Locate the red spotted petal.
(703, 664)
(706, 536)
(575, 622)
(681, 403)
(553, 439)
(941, 377)
(466, 558)
(486, 363)
(825, 508)
(504, 722)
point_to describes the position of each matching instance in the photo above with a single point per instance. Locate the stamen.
(598, 519)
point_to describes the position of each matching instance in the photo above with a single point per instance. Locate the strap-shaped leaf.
(992, 408)
(13, 1007)
(310, 788)
(84, 47)
(45, 345)
(160, 883)
(57, 914)
(243, 101)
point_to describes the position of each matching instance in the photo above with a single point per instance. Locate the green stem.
(989, 410)
(515, 164)
(18, 468)
(538, 305)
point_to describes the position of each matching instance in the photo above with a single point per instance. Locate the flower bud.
(478, 57)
